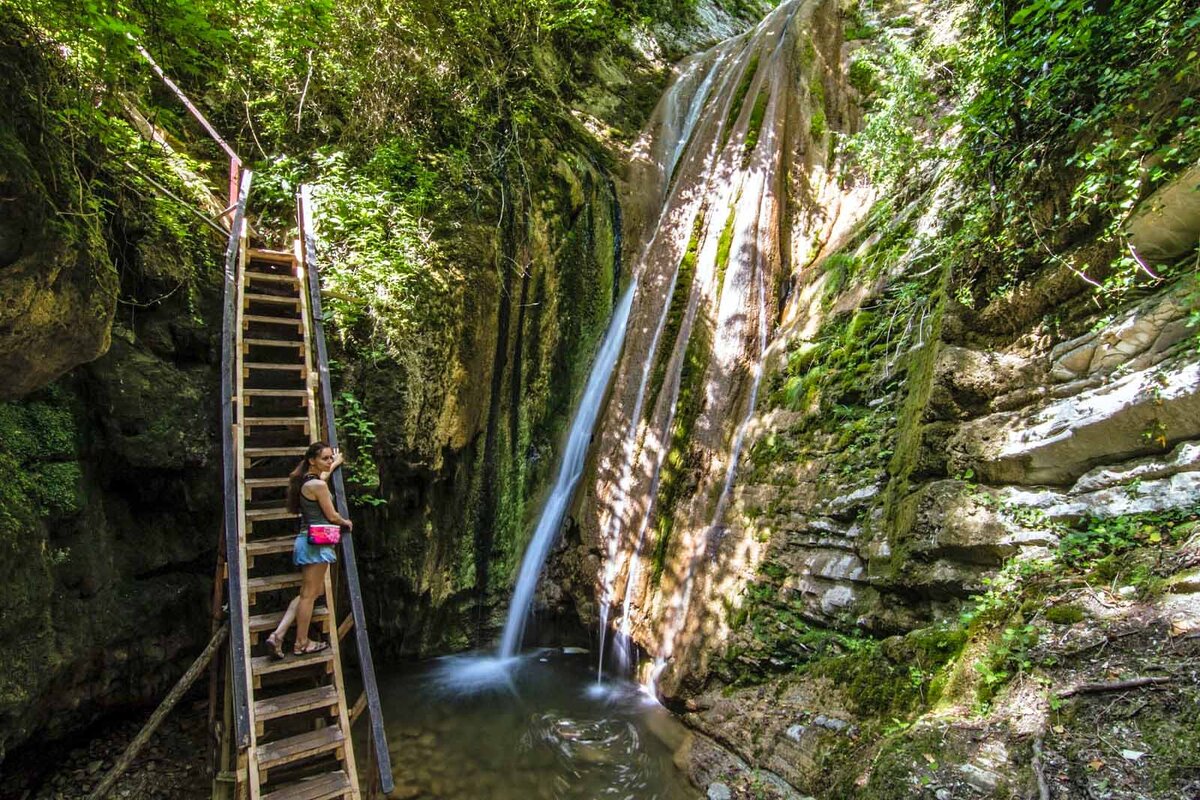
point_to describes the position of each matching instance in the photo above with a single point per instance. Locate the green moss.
(816, 97)
(863, 77)
(755, 128)
(675, 313)
(855, 25)
(1065, 614)
(739, 98)
(901, 764)
(725, 246)
(839, 268)
(56, 487)
(899, 507)
(1173, 734)
(679, 470)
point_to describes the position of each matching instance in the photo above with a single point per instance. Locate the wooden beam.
(308, 248)
(360, 705)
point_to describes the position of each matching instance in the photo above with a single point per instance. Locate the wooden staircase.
(286, 731)
(282, 731)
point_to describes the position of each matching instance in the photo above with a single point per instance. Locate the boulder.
(1060, 441)
(1168, 224)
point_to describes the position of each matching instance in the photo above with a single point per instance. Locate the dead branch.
(1115, 686)
(1036, 763)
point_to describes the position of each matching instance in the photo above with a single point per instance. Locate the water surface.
(532, 727)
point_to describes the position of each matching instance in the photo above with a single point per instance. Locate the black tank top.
(310, 510)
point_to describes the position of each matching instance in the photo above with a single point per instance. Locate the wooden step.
(248, 393)
(269, 622)
(274, 256)
(248, 365)
(264, 665)
(296, 748)
(273, 299)
(329, 786)
(279, 422)
(268, 514)
(268, 452)
(271, 277)
(247, 319)
(296, 703)
(266, 483)
(272, 583)
(297, 343)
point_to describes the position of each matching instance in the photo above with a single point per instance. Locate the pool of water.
(533, 727)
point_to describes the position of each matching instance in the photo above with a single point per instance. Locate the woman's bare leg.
(312, 587)
(289, 617)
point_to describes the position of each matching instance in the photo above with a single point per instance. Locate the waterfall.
(568, 475)
(674, 138)
(705, 186)
(725, 179)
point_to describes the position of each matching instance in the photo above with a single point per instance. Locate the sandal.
(276, 647)
(313, 646)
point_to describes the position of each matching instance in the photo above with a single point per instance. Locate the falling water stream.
(568, 475)
(724, 177)
(704, 181)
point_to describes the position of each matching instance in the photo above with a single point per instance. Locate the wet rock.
(984, 780)
(1185, 582)
(1177, 491)
(832, 723)
(1183, 458)
(719, 791)
(973, 377)
(1168, 224)
(1135, 341)
(1060, 441)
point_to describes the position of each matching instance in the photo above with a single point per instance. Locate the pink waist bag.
(324, 534)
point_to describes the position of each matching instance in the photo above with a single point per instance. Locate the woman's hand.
(347, 524)
(338, 459)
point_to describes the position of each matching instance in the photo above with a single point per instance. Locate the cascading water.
(721, 208)
(703, 189)
(568, 475)
(674, 137)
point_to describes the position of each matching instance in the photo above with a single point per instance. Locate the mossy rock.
(1064, 614)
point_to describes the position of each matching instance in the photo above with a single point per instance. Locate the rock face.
(741, 126)
(111, 505)
(903, 446)
(111, 523)
(58, 284)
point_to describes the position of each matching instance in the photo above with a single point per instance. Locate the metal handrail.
(235, 161)
(366, 665)
(233, 550)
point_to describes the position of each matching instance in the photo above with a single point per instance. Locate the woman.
(308, 495)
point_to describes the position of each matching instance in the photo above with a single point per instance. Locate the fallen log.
(1115, 686)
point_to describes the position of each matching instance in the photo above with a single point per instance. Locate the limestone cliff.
(941, 427)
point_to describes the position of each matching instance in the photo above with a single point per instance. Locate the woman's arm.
(325, 499)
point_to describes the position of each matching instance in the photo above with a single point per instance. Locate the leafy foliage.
(1057, 118)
